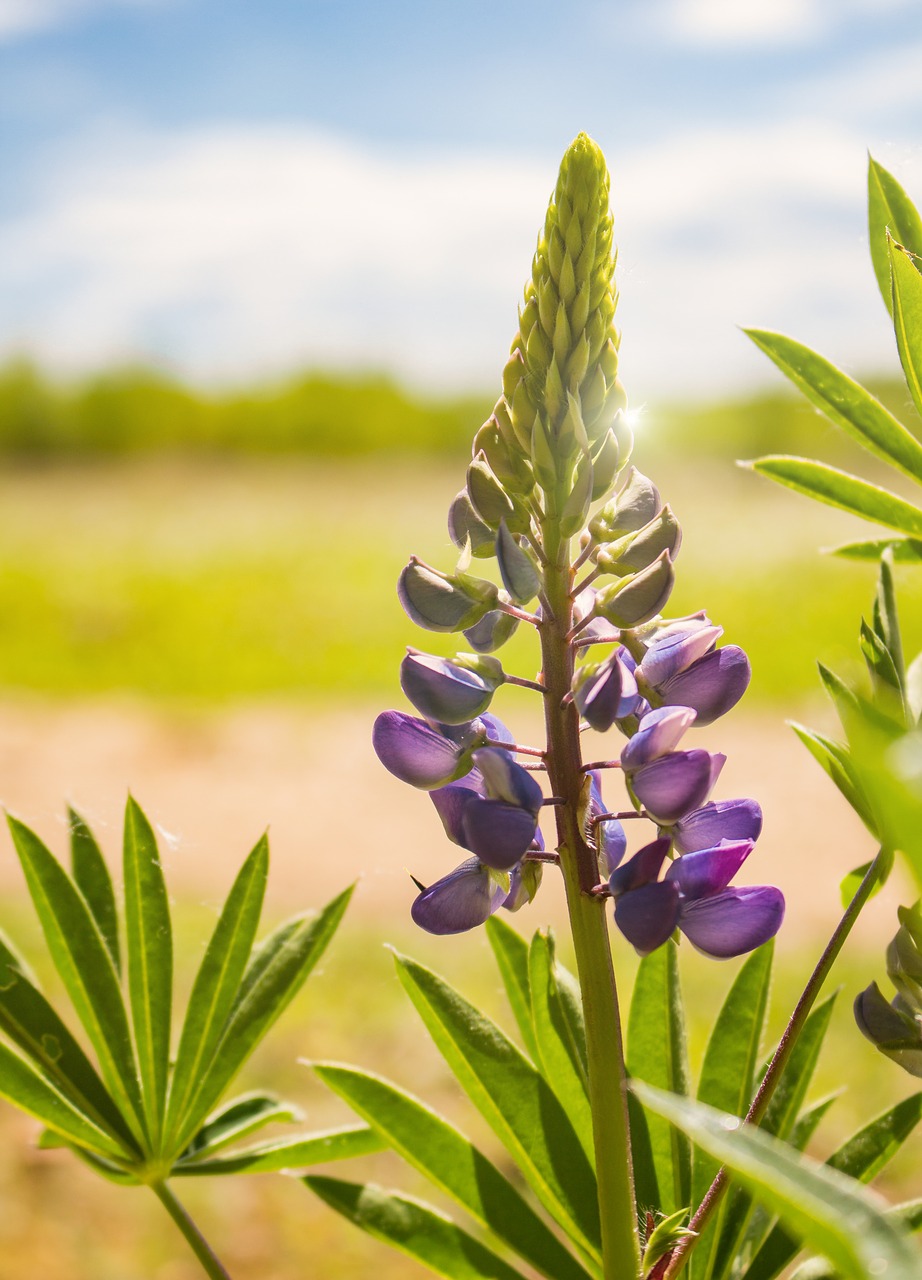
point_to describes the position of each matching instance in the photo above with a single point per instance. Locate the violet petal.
(733, 922)
(441, 691)
(668, 654)
(499, 833)
(647, 916)
(508, 781)
(708, 871)
(641, 869)
(718, 820)
(463, 899)
(672, 785)
(712, 685)
(659, 733)
(414, 752)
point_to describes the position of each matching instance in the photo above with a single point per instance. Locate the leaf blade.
(839, 489)
(91, 876)
(889, 209)
(345, 1143)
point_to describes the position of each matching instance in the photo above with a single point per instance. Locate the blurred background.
(259, 265)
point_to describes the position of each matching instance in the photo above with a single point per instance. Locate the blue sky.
(234, 190)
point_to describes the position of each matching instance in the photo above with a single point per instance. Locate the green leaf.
(907, 317)
(149, 944)
(878, 659)
(886, 615)
(822, 1207)
(22, 1085)
(82, 959)
(843, 401)
(217, 983)
(297, 1152)
(413, 1227)
(281, 970)
(511, 952)
(558, 1053)
(431, 1145)
(728, 1072)
(833, 758)
(889, 209)
(905, 550)
(888, 764)
(842, 696)
(656, 1053)
(238, 1119)
(862, 1158)
(91, 876)
(839, 489)
(852, 882)
(32, 1024)
(514, 1099)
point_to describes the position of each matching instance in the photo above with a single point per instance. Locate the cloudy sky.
(232, 189)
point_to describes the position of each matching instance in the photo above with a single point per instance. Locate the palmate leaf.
(32, 1024)
(656, 1053)
(515, 1100)
(728, 1072)
(217, 983)
(907, 317)
(91, 876)
(862, 1157)
(238, 1119)
(827, 1210)
(415, 1228)
(889, 210)
(276, 973)
(85, 966)
(297, 1152)
(149, 944)
(431, 1145)
(843, 401)
(839, 489)
(511, 952)
(559, 1054)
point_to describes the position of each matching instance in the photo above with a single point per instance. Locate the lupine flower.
(676, 646)
(712, 685)
(416, 752)
(716, 821)
(494, 811)
(676, 783)
(492, 631)
(607, 691)
(610, 837)
(658, 733)
(440, 601)
(463, 899)
(695, 896)
(450, 690)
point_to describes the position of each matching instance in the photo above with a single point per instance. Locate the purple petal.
(659, 733)
(641, 869)
(709, 871)
(718, 820)
(712, 685)
(648, 916)
(463, 899)
(414, 752)
(499, 833)
(608, 694)
(672, 785)
(733, 922)
(508, 781)
(451, 801)
(610, 837)
(670, 652)
(442, 691)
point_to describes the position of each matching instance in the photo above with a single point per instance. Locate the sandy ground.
(213, 781)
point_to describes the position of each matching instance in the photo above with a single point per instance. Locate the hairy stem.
(197, 1242)
(607, 1086)
(757, 1109)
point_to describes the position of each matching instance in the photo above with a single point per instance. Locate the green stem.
(754, 1115)
(199, 1245)
(607, 1083)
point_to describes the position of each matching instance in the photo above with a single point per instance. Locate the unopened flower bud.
(508, 464)
(492, 631)
(894, 1028)
(450, 690)
(712, 685)
(490, 499)
(675, 647)
(635, 505)
(660, 732)
(606, 692)
(639, 597)
(440, 602)
(520, 577)
(662, 533)
(465, 527)
(579, 499)
(606, 462)
(524, 883)
(904, 956)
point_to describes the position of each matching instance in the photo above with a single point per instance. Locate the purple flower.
(716, 821)
(416, 752)
(494, 811)
(463, 899)
(607, 692)
(449, 690)
(659, 733)
(676, 783)
(712, 685)
(676, 646)
(646, 911)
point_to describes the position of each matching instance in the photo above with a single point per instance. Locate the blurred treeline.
(140, 410)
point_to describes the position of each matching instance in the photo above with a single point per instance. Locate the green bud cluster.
(896, 1027)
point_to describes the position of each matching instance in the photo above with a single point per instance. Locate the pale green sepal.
(519, 575)
(839, 489)
(664, 1238)
(889, 210)
(606, 462)
(414, 1228)
(91, 876)
(635, 505)
(149, 947)
(638, 597)
(907, 317)
(827, 1210)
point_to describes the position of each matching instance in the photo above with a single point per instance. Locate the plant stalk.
(197, 1242)
(621, 1257)
(757, 1109)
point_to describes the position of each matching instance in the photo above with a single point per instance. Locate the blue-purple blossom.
(607, 691)
(493, 812)
(676, 783)
(716, 821)
(695, 896)
(712, 685)
(448, 690)
(676, 646)
(463, 899)
(658, 733)
(416, 752)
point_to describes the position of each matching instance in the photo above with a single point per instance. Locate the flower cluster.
(550, 495)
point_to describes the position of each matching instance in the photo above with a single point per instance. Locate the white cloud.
(731, 24)
(230, 253)
(22, 17)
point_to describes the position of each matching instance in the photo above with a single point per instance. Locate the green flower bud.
(508, 464)
(491, 501)
(520, 577)
(638, 598)
(544, 459)
(443, 602)
(635, 505)
(606, 463)
(662, 533)
(579, 500)
(465, 527)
